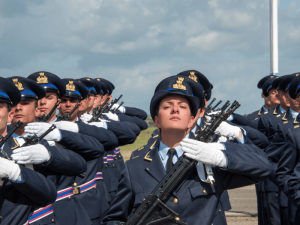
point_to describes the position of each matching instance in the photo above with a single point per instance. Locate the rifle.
(153, 209)
(209, 106)
(4, 139)
(67, 115)
(45, 117)
(97, 112)
(213, 108)
(118, 107)
(108, 107)
(32, 140)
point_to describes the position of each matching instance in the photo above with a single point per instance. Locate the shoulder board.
(139, 149)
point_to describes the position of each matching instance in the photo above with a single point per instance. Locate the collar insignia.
(42, 79)
(17, 144)
(295, 121)
(179, 84)
(70, 86)
(283, 118)
(259, 112)
(274, 112)
(18, 84)
(193, 76)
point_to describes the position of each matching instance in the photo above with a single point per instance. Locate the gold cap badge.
(193, 76)
(297, 74)
(70, 86)
(98, 79)
(18, 84)
(271, 76)
(88, 79)
(42, 78)
(179, 84)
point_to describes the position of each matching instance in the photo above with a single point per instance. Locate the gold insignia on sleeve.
(42, 78)
(179, 84)
(98, 79)
(18, 84)
(283, 118)
(141, 148)
(193, 76)
(17, 144)
(70, 86)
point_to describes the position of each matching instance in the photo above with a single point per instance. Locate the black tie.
(172, 152)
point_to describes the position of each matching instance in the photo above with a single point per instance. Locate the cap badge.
(42, 79)
(297, 74)
(98, 79)
(88, 79)
(70, 86)
(193, 76)
(179, 84)
(18, 84)
(271, 76)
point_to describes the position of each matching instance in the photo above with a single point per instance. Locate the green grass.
(141, 140)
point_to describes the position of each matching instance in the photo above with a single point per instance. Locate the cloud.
(137, 43)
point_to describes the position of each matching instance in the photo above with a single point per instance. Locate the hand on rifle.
(227, 130)
(121, 108)
(111, 116)
(204, 152)
(66, 125)
(40, 128)
(33, 154)
(86, 117)
(9, 169)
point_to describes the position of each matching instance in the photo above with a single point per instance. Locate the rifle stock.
(68, 115)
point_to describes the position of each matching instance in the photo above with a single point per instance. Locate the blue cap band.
(75, 92)
(173, 89)
(92, 88)
(288, 86)
(28, 92)
(49, 85)
(298, 88)
(4, 94)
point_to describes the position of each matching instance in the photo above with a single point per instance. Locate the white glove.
(40, 128)
(112, 116)
(217, 145)
(66, 125)
(9, 169)
(214, 112)
(34, 154)
(121, 109)
(222, 139)
(230, 118)
(203, 152)
(227, 130)
(86, 117)
(97, 124)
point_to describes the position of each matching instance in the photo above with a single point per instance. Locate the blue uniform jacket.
(197, 201)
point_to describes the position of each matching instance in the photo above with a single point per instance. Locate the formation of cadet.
(68, 168)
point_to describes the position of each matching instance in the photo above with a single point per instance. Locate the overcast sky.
(137, 43)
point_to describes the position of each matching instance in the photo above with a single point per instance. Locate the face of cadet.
(47, 103)
(83, 105)
(97, 100)
(67, 105)
(4, 117)
(273, 96)
(25, 111)
(283, 98)
(91, 100)
(174, 114)
(294, 103)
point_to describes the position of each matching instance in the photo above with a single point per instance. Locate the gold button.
(220, 210)
(106, 165)
(177, 218)
(175, 200)
(204, 191)
(52, 220)
(75, 184)
(113, 164)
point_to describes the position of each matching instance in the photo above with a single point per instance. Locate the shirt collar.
(163, 150)
(294, 113)
(281, 109)
(265, 109)
(199, 121)
(53, 121)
